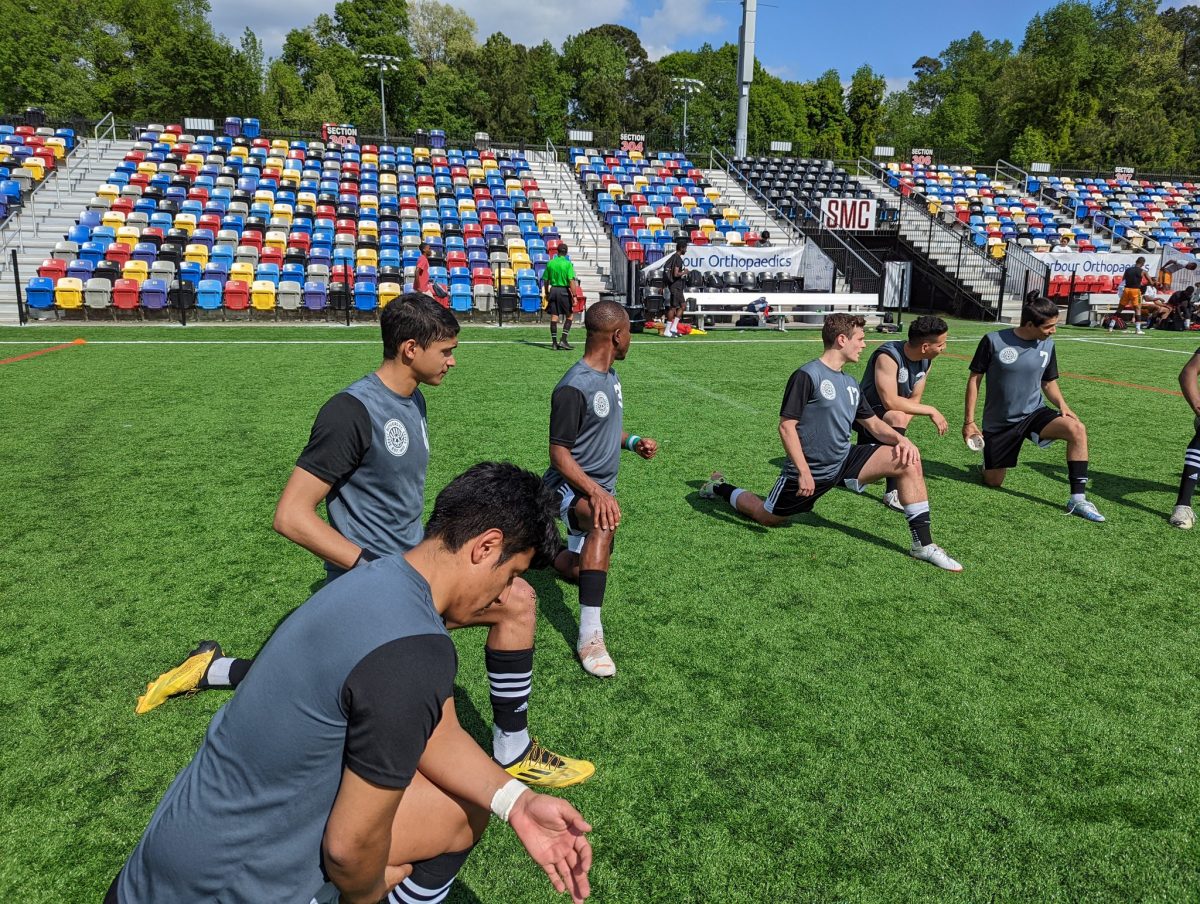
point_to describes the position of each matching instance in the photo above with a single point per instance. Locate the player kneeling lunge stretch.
(587, 435)
(820, 406)
(367, 458)
(340, 760)
(1021, 366)
(894, 383)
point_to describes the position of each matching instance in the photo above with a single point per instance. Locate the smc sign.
(849, 213)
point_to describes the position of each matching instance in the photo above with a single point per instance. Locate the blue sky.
(796, 40)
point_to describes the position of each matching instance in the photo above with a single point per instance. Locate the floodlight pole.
(383, 105)
(688, 87)
(745, 72)
(384, 63)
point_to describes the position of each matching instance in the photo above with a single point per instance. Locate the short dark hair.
(1038, 310)
(926, 327)
(500, 496)
(604, 317)
(414, 315)
(562, 249)
(840, 325)
(681, 244)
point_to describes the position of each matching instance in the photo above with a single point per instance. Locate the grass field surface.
(799, 714)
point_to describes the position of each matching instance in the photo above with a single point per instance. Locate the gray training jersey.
(587, 417)
(372, 445)
(909, 374)
(355, 678)
(1014, 369)
(825, 403)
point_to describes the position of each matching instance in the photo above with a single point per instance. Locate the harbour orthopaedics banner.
(718, 258)
(1095, 264)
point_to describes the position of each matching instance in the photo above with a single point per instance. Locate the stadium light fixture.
(384, 63)
(687, 87)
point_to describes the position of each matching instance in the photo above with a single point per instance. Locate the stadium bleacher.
(992, 210)
(1166, 212)
(264, 226)
(27, 156)
(647, 203)
(788, 182)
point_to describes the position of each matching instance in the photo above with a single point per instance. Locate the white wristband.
(506, 797)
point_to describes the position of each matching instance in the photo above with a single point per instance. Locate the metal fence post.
(1003, 280)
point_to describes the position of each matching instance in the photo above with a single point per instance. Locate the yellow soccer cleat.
(185, 678)
(540, 768)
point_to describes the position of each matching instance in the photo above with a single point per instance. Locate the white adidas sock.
(1078, 497)
(508, 747)
(218, 672)
(589, 622)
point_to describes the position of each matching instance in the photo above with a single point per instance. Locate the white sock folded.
(589, 622)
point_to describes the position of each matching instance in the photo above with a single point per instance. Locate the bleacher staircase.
(575, 219)
(51, 211)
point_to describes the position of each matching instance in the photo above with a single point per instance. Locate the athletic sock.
(917, 514)
(225, 671)
(1191, 472)
(430, 880)
(675, 327)
(566, 329)
(591, 596)
(510, 676)
(725, 491)
(1077, 474)
(553, 330)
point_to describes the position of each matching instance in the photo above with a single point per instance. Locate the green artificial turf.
(800, 714)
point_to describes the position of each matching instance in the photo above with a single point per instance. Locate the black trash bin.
(637, 317)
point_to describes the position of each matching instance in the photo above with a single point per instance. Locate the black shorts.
(1002, 448)
(111, 896)
(558, 301)
(783, 500)
(675, 297)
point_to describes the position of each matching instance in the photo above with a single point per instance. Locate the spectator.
(764, 241)
(1063, 246)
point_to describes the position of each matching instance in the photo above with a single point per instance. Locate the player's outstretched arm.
(885, 384)
(643, 446)
(552, 831)
(806, 486)
(1053, 392)
(606, 514)
(969, 427)
(296, 518)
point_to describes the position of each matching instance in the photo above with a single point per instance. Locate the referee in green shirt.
(558, 278)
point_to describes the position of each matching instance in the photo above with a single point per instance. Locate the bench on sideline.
(723, 309)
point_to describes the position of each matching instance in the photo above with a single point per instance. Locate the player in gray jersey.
(587, 434)
(1021, 367)
(339, 769)
(894, 383)
(366, 458)
(820, 406)
(1183, 516)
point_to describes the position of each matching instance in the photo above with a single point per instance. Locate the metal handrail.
(109, 134)
(770, 207)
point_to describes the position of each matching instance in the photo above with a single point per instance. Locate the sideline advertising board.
(1095, 264)
(719, 258)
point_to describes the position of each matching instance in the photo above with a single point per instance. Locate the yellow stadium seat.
(68, 294)
(283, 211)
(490, 164)
(507, 276)
(307, 197)
(367, 202)
(430, 228)
(147, 168)
(264, 196)
(239, 151)
(388, 291)
(108, 191)
(243, 272)
(194, 159)
(59, 146)
(186, 222)
(712, 194)
(113, 218)
(136, 270)
(128, 235)
(274, 162)
(420, 154)
(262, 295)
(366, 257)
(167, 138)
(368, 228)
(707, 226)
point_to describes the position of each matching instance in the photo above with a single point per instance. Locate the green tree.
(827, 119)
(439, 32)
(864, 109)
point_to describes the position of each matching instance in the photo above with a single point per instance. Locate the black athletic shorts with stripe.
(783, 501)
(1002, 448)
(558, 301)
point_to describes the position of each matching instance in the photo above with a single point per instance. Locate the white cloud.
(271, 20)
(674, 20)
(531, 23)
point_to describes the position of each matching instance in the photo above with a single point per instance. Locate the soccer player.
(1021, 367)
(341, 758)
(822, 402)
(894, 382)
(675, 274)
(1183, 517)
(366, 458)
(586, 438)
(1131, 291)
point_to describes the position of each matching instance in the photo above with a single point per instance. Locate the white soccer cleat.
(935, 555)
(1086, 510)
(1183, 517)
(593, 654)
(707, 490)
(892, 501)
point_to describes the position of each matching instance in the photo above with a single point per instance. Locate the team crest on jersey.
(827, 390)
(600, 404)
(902, 375)
(1008, 355)
(395, 437)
